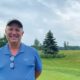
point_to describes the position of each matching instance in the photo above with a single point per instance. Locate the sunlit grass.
(67, 68)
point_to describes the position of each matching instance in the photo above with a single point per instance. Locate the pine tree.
(50, 45)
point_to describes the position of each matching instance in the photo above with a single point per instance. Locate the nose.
(13, 32)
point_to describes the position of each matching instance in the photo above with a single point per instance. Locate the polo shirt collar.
(7, 50)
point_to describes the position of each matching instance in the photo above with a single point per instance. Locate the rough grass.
(67, 68)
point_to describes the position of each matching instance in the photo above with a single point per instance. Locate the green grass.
(67, 68)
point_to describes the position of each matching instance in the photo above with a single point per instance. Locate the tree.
(50, 45)
(37, 44)
(3, 41)
(66, 45)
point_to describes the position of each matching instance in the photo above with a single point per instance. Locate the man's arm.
(38, 65)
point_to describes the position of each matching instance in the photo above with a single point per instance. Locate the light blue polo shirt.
(26, 62)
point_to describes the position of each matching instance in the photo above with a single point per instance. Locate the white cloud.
(39, 16)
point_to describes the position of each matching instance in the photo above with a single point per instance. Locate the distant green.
(67, 68)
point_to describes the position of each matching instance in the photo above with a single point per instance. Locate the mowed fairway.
(67, 68)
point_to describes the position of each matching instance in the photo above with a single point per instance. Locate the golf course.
(66, 68)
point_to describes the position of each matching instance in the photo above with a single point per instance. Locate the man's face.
(13, 33)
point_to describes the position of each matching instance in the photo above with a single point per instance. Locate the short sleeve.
(38, 62)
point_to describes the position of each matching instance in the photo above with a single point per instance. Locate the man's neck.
(14, 47)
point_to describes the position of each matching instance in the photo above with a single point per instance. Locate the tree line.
(67, 46)
(49, 46)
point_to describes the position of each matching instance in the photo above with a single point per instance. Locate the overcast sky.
(62, 17)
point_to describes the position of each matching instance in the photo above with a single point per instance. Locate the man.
(17, 60)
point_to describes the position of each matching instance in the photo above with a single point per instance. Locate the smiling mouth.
(14, 37)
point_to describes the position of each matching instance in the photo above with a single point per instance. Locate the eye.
(10, 29)
(17, 30)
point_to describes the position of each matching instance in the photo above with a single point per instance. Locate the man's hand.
(37, 74)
